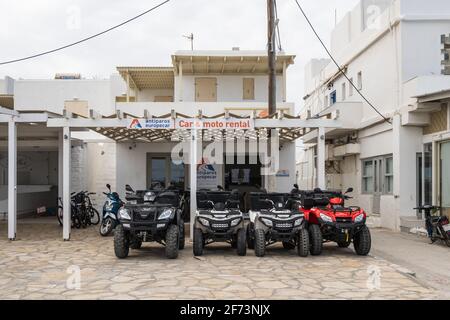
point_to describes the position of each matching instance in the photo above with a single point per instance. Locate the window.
(249, 88)
(344, 91)
(389, 175)
(378, 175)
(360, 84)
(350, 88)
(368, 176)
(333, 98)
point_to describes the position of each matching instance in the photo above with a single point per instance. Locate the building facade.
(210, 83)
(391, 52)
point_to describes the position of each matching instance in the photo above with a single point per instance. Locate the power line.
(85, 39)
(339, 67)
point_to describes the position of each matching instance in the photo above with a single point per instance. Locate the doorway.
(444, 177)
(162, 172)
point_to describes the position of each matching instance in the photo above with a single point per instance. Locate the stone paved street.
(35, 267)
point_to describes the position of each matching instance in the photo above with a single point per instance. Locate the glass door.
(445, 177)
(162, 172)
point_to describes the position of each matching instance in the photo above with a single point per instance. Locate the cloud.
(28, 27)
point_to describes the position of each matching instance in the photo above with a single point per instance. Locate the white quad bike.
(275, 217)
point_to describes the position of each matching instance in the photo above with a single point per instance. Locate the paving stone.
(35, 267)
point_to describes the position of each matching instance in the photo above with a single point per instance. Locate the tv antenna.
(191, 38)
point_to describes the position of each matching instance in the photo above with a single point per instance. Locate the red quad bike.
(330, 221)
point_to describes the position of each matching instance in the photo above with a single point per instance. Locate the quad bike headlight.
(298, 222)
(166, 214)
(124, 214)
(359, 218)
(267, 222)
(204, 222)
(325, 218)
(235, 222)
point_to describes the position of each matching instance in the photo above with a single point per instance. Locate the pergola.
(117, 127)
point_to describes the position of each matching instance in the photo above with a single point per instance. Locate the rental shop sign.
(214, 124)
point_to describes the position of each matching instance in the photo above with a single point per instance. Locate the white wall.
(150, 94)
(50, 95)
(229, 88)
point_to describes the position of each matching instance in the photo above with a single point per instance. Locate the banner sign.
(207, 176)
(154, 124)
(170, 124)
(220, 124)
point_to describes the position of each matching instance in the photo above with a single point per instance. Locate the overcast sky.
(31, 26)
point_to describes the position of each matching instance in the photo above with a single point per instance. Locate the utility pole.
(271, 47)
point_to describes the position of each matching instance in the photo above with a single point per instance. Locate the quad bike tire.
(288, 245)
(344, 244)
(260, 242)
(303, 243)
(106, 227)
(136, 244)
(182, 242)
(241, 242)
(198, 243)
(121, 243)
(172, 241)
(362, 242)
(316, 240)
(250, 238)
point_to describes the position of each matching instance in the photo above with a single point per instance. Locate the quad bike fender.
(252, 215)
(259, 225)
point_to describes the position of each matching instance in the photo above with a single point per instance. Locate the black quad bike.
(275, 217)
(150, 216)
(438, 226)
(219, 219)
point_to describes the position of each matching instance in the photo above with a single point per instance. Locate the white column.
(284, 83)
(128, 87)
(12, 180)
(180, 82)
(321, 182)
(66, 184)
(193, 179)
(60, 163)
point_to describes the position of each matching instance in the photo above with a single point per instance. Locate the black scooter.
(438, 227)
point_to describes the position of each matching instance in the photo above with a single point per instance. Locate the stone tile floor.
(38, 265)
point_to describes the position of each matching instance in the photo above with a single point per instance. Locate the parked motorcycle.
(110, 210)
(438, 227)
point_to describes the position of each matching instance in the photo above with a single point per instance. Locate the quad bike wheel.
(136, 244)
(121, 242)
(198, 242)
(362, 242)
(250, 238)
(344, 244)
(260, 243)
(241, 243)
(303, 243)
(182, 241)
(288, 245)
(316, 240)
(172, 241)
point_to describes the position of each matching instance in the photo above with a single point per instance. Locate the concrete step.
(411, 224)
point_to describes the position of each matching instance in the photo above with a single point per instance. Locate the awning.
(148, 77)
(228, 62)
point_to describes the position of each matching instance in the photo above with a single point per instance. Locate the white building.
(53, 117)
(391, 50)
